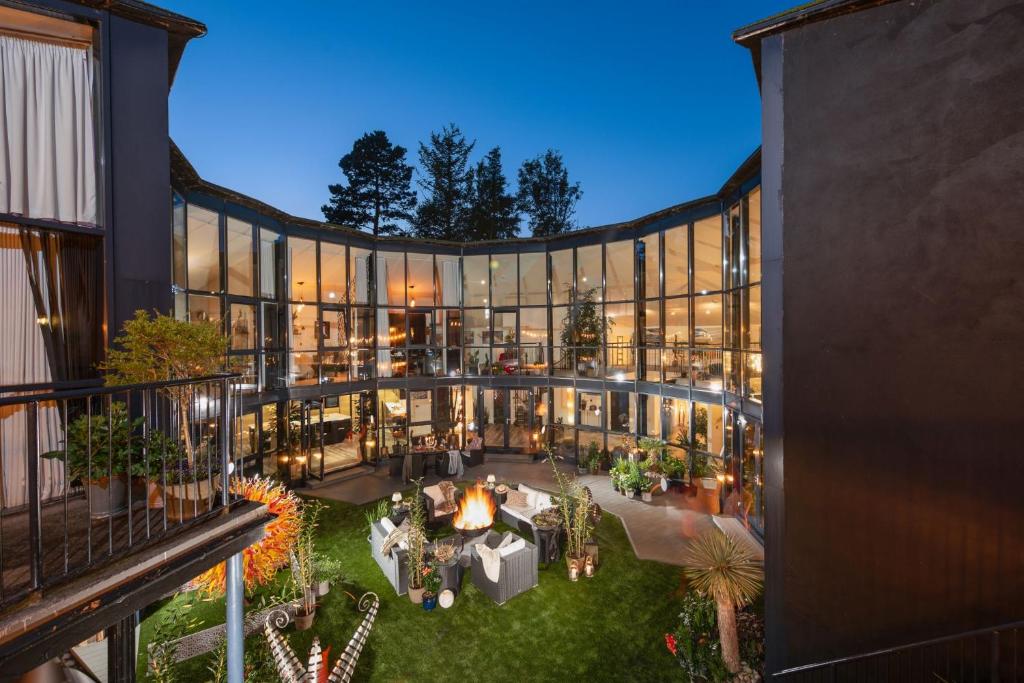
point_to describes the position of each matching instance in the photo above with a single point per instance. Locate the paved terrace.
(658, 530)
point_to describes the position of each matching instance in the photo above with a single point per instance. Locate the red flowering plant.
(431, 580)
(695, 643)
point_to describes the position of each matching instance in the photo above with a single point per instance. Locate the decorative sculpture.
(290, 668)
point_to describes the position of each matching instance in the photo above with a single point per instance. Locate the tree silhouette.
(379, 190)
(546, 196)
(492, 214)
(444, 212)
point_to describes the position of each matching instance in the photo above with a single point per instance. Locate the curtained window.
(47, 131)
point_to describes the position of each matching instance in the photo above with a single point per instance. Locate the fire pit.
(475, 513)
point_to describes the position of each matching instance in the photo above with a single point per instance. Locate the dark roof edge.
(817, 10)
(145, 13)
(184, 176)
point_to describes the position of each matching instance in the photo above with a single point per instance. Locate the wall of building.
(139, 245)
(894, 376)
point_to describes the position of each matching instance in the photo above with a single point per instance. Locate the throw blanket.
(393, 539)
(448, 490)
(455, 463)
(491, 557)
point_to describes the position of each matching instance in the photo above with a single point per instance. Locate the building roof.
(185, 177)
(180, 29)
(816, 10)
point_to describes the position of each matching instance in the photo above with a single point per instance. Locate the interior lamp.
(396, 497)
(491, 479)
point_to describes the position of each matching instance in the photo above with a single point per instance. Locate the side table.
(548, 544)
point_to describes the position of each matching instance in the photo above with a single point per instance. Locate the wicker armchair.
(436, 519)
(518, 571)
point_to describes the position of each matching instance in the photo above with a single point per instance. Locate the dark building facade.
(894, 291)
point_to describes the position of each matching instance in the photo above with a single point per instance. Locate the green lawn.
(608, 628)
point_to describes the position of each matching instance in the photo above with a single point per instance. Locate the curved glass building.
(352, 347)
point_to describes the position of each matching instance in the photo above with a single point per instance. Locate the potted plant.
(575, 508)
(416, 553)
(674, 469)
(99, 449)
(326, 570)
(705, 470)
(376, 513)
(618, 475)
(431, 586)
(593, 457)
(304, 575)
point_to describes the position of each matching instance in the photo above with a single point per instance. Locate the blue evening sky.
(651, 103)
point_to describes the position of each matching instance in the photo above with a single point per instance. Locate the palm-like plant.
(716, 566)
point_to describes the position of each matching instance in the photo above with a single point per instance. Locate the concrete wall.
(894, 225)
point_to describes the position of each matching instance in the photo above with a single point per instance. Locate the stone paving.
(658, 530)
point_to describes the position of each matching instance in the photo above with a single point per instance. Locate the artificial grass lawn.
(607, 628)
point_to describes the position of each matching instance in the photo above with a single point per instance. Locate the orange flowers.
(261, 560)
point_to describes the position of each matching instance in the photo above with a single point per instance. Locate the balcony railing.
(991, 655)
(93, 474)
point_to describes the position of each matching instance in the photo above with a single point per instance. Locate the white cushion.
(513, 547)
(543, 501)
(388, 525)
(531, 494)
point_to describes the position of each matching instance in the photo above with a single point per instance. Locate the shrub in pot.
(704, 470)
(99, 449)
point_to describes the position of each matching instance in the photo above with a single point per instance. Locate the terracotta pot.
(304, 622)
(416, 595)
(107, 496)
(189, 500)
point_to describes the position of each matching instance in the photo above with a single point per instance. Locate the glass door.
(305, 439)
(508, 418)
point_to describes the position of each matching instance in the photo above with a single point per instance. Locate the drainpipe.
(234, 606)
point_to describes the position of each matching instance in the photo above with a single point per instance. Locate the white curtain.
(23, 361)
(47, 133)
(451, 283)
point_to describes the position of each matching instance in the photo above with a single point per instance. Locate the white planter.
(631, 494)
(646, 495)
(709, 483)
(323, 588)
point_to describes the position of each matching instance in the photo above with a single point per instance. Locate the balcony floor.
(84, 542)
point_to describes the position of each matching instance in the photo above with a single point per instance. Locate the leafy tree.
(546, 196)
(444, 212)
(161, 348)
(720, 569)
(493, 214)
(379, 190)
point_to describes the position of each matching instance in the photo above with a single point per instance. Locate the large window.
(707, 255)
(677, 261)
(474, 273)
(561, 276)
(239, 257)
(619, 271)
(504, 279)
(588, 270)
(203, 249)
(533, 279)
(332, 272)
(420, 286)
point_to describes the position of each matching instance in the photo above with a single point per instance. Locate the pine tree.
(546, 196)
(444, 212)
(379, 190)
(493, 214)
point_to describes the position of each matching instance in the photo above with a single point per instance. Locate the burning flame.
(476, 510)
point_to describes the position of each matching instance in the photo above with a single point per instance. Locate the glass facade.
(655, 331)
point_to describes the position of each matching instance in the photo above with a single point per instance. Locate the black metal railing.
(990, 655)
(93, 474)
